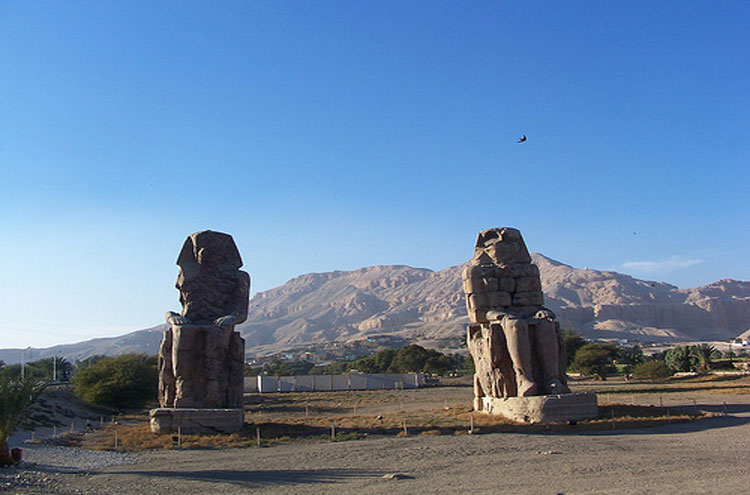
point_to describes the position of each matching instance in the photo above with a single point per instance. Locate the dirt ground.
(704, 456)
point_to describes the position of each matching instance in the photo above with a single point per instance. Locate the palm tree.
(52, 368)
(703, 354)
(16, 396)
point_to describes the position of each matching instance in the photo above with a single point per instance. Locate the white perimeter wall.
(320, 383)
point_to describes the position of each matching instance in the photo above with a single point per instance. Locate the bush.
(16, 396)
(278, 367)
(572, 342)
(630, 355)
(680, 359)
(702, 355)
(652, 370)
(127, 381)
(594, 359)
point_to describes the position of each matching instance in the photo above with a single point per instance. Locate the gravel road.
(706, 456)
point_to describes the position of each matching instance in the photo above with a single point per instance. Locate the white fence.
(320, 383)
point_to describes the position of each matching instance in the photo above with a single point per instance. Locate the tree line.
(409, 359)
(599, 360)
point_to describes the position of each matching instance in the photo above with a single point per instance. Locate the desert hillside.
(428, 307)
(424, 305)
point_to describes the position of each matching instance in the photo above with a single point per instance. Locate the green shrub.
(680, 359)
(594, 359)
(16, 396)
(630, 355)
(123, 382)
(703, 354)
(572, 342)
(652, 370)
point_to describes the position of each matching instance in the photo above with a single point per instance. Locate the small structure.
(515, 341)
(201, 357)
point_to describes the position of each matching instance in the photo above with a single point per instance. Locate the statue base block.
(543, 408)
(187, 420)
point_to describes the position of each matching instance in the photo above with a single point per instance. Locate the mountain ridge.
(428, 307)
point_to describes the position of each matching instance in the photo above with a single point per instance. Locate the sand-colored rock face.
(427, 305)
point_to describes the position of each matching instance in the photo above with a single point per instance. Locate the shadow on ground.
(250, 479)
(696, 425)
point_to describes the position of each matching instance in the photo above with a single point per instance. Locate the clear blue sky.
(336, 135)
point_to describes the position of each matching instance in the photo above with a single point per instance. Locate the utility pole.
(23, 357)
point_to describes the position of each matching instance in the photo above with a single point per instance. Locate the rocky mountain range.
(428, 307)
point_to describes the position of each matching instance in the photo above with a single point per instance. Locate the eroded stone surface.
(201, 356)
(189, 420)
(544, 408)
(515, 341)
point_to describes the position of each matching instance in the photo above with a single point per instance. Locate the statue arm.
(495, 314)
(176, 318)
(238, 312)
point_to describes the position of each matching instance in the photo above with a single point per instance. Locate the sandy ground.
(705, 456)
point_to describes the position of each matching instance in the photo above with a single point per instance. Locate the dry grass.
(454, 421)
(309, 416)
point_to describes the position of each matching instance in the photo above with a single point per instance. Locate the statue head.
(500, 246)
(207, 250)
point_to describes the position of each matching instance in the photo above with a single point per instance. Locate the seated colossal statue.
(201, 358)
(515, 341)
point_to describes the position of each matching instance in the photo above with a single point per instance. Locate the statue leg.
(547, 344)
(478, 393)
(519, 348)
(166, 375)
(217, 354)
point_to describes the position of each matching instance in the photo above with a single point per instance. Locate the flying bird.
(523, 139)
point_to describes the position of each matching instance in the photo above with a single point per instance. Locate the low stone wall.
(324, 383)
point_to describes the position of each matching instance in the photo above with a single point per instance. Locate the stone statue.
(514, 340)
(201, 358)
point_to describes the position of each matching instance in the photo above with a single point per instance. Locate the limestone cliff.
(425, 305)
(428, 306)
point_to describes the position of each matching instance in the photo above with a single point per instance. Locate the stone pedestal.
(543, 408)
(190, 420)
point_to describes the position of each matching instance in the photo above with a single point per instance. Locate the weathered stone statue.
(201, 358)
(514, 340)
